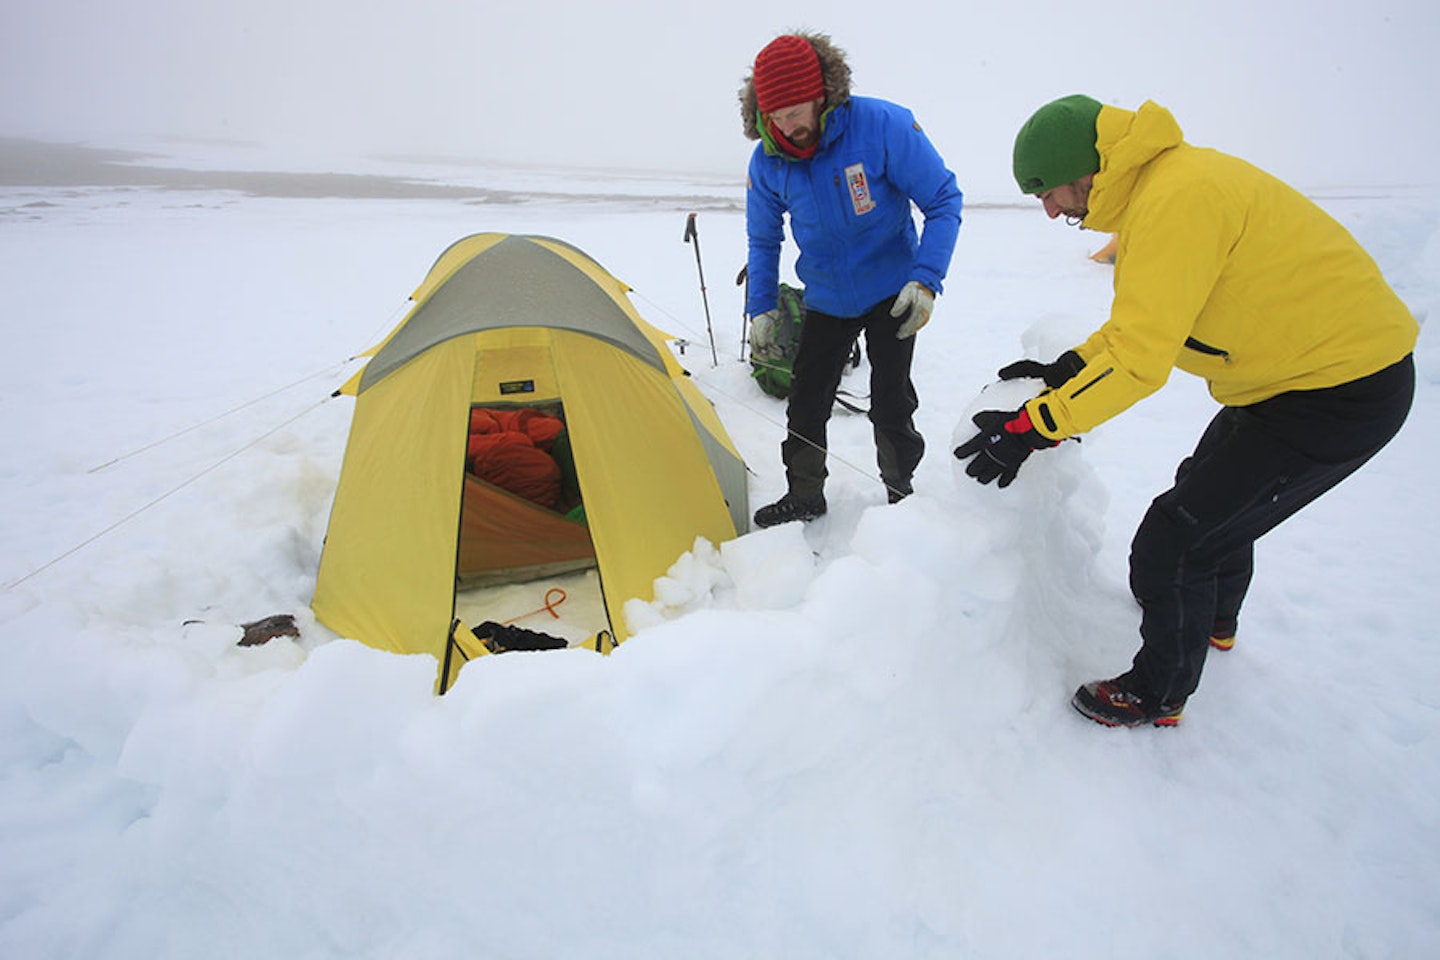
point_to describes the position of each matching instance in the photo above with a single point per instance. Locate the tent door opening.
(525, 554)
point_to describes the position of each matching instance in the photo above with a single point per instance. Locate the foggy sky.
(1323, 93)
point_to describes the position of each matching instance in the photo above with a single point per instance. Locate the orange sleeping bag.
(509, 448)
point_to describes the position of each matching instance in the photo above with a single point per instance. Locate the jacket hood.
(832, 67)
(1127, 140)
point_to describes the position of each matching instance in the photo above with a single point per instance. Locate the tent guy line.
(710, 384)
(327, 372)
(712, 387)
(162, 497)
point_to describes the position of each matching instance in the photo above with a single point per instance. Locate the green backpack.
(773, 345)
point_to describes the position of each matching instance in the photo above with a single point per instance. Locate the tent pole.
(449, 652)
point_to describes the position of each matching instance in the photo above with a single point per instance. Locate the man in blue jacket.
(846, 170)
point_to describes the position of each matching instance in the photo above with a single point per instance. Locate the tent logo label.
(517, 386)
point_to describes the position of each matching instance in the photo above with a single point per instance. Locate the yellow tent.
(1106, 254)
(510, 322)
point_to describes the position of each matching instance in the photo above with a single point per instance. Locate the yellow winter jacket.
(1223, 271)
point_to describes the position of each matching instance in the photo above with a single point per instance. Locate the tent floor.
(576, 614)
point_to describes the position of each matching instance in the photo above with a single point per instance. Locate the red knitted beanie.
(787, 73)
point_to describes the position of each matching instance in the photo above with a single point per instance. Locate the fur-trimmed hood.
(832, 67)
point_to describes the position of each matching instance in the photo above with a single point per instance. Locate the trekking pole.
(743, 279)
(692, 234)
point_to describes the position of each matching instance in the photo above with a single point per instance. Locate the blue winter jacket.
(849, 208)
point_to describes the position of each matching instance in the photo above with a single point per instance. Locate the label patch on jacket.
(859, 186)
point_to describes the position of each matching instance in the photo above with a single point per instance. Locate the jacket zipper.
(1205, 348)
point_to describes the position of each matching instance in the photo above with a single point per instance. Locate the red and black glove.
(1054, 374)
(1003, 443)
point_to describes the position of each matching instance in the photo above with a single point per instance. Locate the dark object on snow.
(499, 638)
(263, 631)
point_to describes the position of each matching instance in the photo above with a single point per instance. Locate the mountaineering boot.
(791, 507)
(1115, 704)
(1222, 635)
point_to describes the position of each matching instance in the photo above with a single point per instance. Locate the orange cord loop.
(549, 607)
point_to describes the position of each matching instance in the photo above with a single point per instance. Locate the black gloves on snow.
(1003, 443)
(1065, 366)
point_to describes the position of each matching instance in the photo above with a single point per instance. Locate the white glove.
(917, 300)
(762, 335)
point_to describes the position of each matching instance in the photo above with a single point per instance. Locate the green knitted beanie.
(1057, 144)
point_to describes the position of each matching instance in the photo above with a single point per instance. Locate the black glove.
(1065, 366)
(1003, 443)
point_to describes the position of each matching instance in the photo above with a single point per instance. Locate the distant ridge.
(35, 163)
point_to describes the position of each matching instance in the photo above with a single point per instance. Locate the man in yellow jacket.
(1227, 273)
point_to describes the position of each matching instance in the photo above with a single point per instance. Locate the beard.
(1076, 215)
(804, 137)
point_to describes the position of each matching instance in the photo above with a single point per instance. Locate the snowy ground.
(851, 739)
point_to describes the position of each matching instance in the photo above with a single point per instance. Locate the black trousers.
(1193, 556)
(825, 346)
